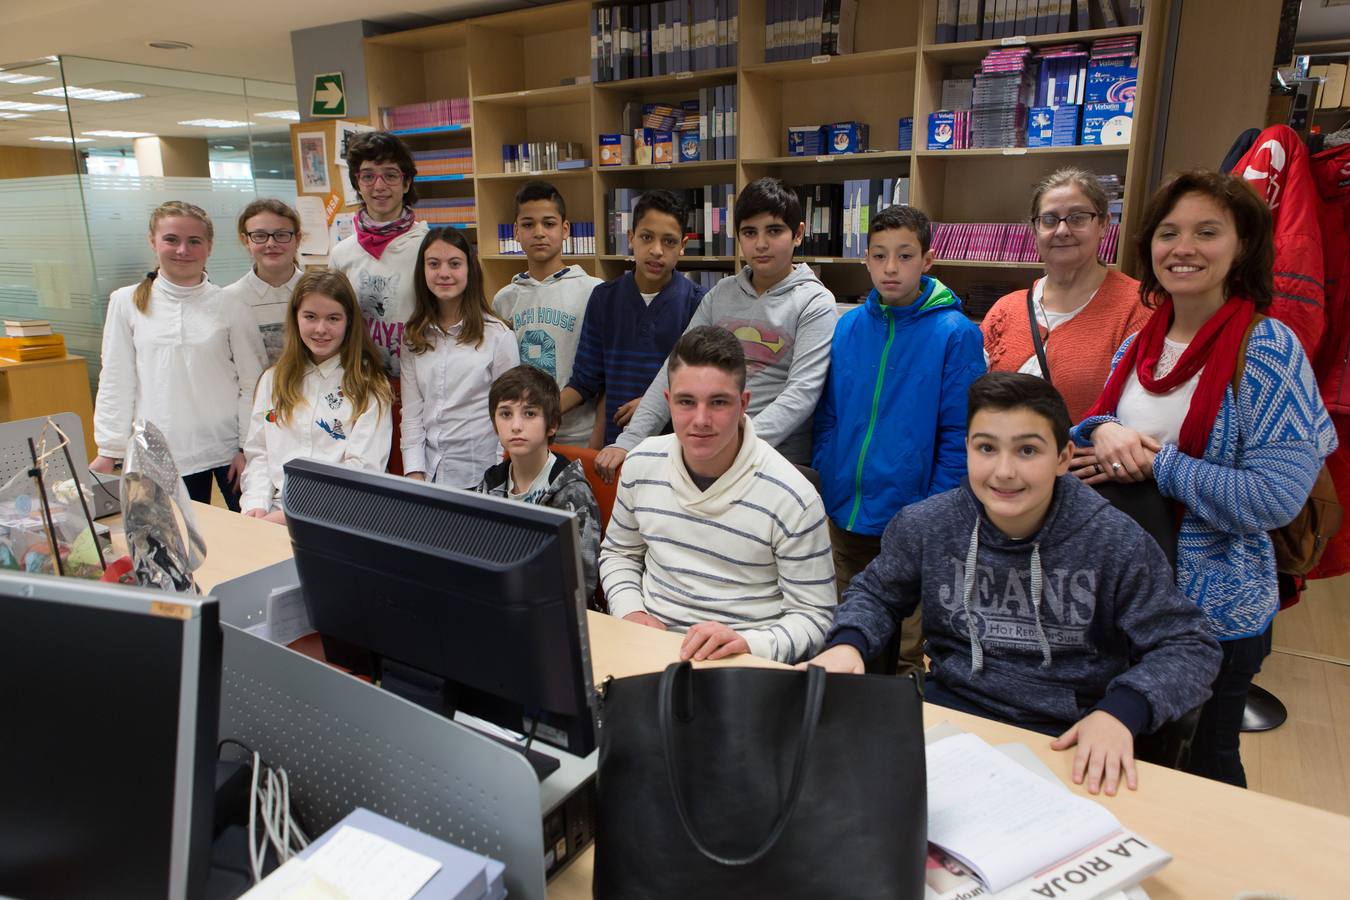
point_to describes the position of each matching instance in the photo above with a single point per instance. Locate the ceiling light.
(17, 106)
(16, 78)
(169, 45)
(5, 115)
(53, 139)
(213, 123)
(290, 115)
(79, 93)
(118, 134)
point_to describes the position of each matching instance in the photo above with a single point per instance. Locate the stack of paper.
(997, 828)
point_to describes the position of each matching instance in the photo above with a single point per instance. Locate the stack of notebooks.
(27, 340)
(447, 210)
(663, 38)
(801, 29)
(431, 114)
(1002, 242)
(973, 20)
(708, 226)
(1001, 825)
(437, 163)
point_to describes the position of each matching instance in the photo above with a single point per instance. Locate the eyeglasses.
(281, 237)
(1077, 221)
(390, 177)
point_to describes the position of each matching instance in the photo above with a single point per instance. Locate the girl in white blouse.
(327, 398)
(179, 353)
(270, 232)
(456, 346)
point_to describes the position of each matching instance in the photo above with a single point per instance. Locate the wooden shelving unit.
(519, 70)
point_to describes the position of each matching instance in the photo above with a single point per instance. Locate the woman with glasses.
(270, 232)
(1081, 309)
(380, 259)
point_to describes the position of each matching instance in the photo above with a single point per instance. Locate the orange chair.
(604, 493)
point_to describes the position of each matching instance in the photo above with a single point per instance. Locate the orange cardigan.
(1079, 351)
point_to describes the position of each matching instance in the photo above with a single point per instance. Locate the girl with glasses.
(270, 232)
(1082, 310)
(179, 353)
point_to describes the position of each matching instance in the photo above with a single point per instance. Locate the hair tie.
(150, 276)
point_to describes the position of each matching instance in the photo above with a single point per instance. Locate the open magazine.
(1000, 824)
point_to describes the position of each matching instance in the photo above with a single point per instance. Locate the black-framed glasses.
(1076, 221)
(390, 177)
(281, 237)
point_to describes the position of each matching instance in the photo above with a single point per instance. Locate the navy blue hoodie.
(1110, 631)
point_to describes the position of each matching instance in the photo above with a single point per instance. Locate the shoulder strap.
(1036, 341)
(1242, 355)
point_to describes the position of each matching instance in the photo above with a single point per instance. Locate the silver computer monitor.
(110, 699)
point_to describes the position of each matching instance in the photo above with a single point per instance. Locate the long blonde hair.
(363, 378)
(474, 310)
(165, 210)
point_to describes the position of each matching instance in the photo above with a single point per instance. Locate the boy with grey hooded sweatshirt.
(784, 318)
(1043, 605)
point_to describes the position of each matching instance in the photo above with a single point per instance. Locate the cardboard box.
(688, 144)
(1111, 84)
(941, 130)
(1052, 126)
(848, 137)
(615, 150)
(643, 139)
(807, 140)
(1106, 123)
(663, 148)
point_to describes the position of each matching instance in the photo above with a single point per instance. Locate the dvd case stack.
(1004, 88)
(453, 112)
(1011, 242)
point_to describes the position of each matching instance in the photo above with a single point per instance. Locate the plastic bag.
(162, 537)
(25, 542)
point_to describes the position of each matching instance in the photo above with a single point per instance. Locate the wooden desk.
(43, 387)
(1224, 840)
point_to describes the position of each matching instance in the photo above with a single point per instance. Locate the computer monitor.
(455, 600)
(110, 703)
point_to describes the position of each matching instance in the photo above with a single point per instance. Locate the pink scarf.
(374, 236)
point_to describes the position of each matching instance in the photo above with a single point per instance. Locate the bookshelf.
(520, 71)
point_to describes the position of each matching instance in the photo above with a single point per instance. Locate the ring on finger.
(1098, 467)
(1116, 467)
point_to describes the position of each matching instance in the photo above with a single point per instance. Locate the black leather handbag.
(760, 783)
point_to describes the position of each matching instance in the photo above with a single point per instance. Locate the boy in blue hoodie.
(1044, 606)
(890, 428)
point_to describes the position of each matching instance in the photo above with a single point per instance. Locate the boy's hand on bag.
(840, 658)
(1105, 748)
(712, 640)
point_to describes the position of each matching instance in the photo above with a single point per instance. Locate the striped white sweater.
(753, 551)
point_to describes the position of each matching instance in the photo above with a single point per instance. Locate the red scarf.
(374, 236)
(1215, 348)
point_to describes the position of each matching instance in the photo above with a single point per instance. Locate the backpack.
(1300, 544)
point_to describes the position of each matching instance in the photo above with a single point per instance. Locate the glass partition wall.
(89, 147)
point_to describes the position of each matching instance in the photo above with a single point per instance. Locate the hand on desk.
(1105, 747)
(647, 619)
(712, 640)
(276, 515)
(841, 658)
(104, 465)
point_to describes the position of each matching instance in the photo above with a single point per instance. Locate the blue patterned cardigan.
(1259, 465)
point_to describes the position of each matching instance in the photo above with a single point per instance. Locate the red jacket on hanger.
(1277, 167)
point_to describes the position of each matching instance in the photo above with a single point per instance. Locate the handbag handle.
(1036, 334)
(815, 700)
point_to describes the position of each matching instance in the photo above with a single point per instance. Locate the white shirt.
(268, 305)
(547, 317)
(384, 287)
(188, 364)
(447, 431)
(1158, 415)
(320, 427)
(1051, 320)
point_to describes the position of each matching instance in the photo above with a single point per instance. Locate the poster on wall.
(313, 162)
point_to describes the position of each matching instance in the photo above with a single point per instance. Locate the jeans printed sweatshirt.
(1083, 615)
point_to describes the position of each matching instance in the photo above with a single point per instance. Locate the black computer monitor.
(110, 703)
(455, 600)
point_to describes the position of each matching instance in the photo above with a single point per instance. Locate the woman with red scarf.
(1236, 466)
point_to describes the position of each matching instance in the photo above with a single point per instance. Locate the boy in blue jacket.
(633, 322)
(890, 428)
(1044, 606)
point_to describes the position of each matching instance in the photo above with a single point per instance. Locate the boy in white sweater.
(713, 532)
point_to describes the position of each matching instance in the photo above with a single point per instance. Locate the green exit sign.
(329, 97)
